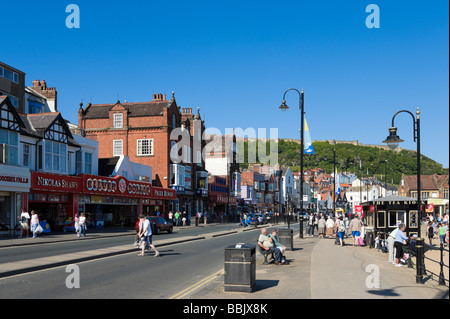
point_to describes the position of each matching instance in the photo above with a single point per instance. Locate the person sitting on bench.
(266, 243)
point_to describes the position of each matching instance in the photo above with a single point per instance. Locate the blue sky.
(235, 59)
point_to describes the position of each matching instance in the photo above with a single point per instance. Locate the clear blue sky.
(235, 59)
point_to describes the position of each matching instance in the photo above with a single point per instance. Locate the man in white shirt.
(145, 232)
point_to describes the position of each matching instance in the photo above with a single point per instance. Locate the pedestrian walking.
(145, 234)
(442, 233)
(177, 218)
(82, 225)
(311, 225)
(171, 217)
(430, 233)
(355, 228)
(183, 219)
(34, 223)
(322, 227)
(330, 225)
(23, 219)
(340, 230)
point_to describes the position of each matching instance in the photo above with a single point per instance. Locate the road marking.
(195, 286)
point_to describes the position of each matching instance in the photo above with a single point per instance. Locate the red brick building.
(156, 133)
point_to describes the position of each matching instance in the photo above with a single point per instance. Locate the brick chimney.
(49, 92)
(159, 97)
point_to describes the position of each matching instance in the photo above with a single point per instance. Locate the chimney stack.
(50, 93)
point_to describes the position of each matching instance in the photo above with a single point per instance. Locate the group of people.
(437, 226)
(396, 240)
(80, 225)
(28, 223)
(178, 218)
(144, 236)
(341, 227)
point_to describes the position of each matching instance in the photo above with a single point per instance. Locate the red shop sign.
(163, 193)
(55, 182)
(116, 186)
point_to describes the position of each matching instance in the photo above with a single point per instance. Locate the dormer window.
(118, 120)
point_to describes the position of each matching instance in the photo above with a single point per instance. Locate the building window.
(174, 121)
(199, 158)
(177, 175)
(87, 163)
(173, 152)
(78, 162)
(9, 147)
(145, 147)
(14, 100)
(10, 75)
(118, 120)
(26, 155)
(55, 156)
(117, 147)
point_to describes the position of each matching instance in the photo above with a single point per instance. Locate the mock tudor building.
(157, 134)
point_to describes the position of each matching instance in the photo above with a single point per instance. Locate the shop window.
(413, 218)
(381, 218)
(396, 218)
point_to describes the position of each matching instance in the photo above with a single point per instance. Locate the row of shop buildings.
(121, 159)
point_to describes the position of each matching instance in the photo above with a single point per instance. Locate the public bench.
(265, 253)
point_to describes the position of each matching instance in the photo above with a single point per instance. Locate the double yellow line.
(195, 286)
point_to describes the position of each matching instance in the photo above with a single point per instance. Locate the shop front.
(105, 201)
(161, 200)
(54, 198)
(383, 215)
(14, 185)
(112, 201)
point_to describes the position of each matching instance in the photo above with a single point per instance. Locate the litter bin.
(286, 238)
(240, 268)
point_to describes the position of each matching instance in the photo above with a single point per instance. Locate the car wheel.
(170, 230)
(158, 231)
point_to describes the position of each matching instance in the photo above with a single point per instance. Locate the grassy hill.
(348, 157)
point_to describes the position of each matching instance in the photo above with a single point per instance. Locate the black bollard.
(419, 260)
(441, 274)
(301, 227)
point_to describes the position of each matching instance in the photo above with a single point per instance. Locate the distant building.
(12, 84)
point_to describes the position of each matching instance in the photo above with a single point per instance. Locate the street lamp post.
(284, 107)
(393, 140)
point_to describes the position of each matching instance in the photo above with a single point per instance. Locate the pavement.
(316, 269)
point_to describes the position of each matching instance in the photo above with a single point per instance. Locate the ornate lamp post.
(393, 140)
(284, 107)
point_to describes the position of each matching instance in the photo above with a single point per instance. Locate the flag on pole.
(308, 146)
(338, 184)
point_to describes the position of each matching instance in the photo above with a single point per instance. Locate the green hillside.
(348, 157)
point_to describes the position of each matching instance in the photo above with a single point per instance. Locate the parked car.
(159, 224)
(261, 219)
(268, 217)
(251, 219)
